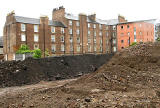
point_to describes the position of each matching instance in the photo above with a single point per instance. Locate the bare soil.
(131, 79)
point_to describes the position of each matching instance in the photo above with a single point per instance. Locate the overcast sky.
(104, 9)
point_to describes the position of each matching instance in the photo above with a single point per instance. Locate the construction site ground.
(131, 79)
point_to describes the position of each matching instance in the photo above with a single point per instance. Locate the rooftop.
(100, 21)
(27, 20)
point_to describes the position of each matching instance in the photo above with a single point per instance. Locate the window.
(78, 48)
(94, 33)
(95, 48)
(23, 37)
(70, 22)
(114, 34)
(107, 34)
(35, 38)
(106, 27)
(140, 33)
(53, 48)
(134, 28)
(100, 33)
(114, 49)
(121, 27)
(23, 27)
(62, 30)
(70, 31)
(89, 25)
(62, 47)
(94, 26)
(71, 39)
(89, 48)
(122, 41)
(140, 25)
(128, 26)
(71, 47)
(114, 27)
(128, 34)
(100, 26)
(53, 29)
(53, 38)
(89, 40)
(107, 42)
(36, 28)
(77, 31)
(36, 46)
(94, 40)
(77, 23)
(78, 39)
(122, 34)
(62, 38)
(101, 48)
(114, 41)
(100, 41)
(89, 32)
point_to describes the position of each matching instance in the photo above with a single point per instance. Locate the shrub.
(23, 50)
(134, 43)
(37, 53)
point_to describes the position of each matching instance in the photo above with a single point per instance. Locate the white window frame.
(77, 31)
(89, 25)
(95, 33)
(62, 47)
(70, 31)
(78, 39)
(36, 37)
(62, 30)
(53, 29)
(53, 48)
(53, 38)
(23, 27)
(89, 32)
(37, 46)
(23, 37)
(100, 26)
(70, 22)
(94, 26)
(62, 38)
(100, 33)
(77, 23)
(89, 48)
(78, 48)
(36, 28)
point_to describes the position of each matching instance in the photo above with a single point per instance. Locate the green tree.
(37, 53)
(23, 50)
(47, 53)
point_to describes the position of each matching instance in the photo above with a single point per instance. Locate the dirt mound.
(31, 71)
(131, 79)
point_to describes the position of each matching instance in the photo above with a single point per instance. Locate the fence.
(22, 56)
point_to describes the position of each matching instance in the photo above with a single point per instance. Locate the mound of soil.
(131, 79)
(31, 71)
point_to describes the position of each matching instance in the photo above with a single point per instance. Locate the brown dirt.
(130, 80)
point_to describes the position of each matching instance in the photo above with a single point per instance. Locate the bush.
(37, 53)
(134, 43)
(23, 50)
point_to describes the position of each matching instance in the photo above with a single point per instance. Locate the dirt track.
(131, 79)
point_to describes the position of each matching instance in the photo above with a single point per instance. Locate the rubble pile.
(131, 79)
(31, 71)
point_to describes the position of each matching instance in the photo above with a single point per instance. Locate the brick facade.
(82, 35)
(130, 32)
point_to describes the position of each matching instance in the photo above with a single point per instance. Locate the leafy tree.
(37, 53)
(23, 50)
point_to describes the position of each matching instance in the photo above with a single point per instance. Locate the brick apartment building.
(65, 34)
(138, 31)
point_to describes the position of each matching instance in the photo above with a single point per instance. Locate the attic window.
(121, 27)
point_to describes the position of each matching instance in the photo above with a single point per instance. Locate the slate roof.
(27, 20)
(106, 22)
(1, 41)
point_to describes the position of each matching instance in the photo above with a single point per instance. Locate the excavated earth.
(131, 79)
(32, 71)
